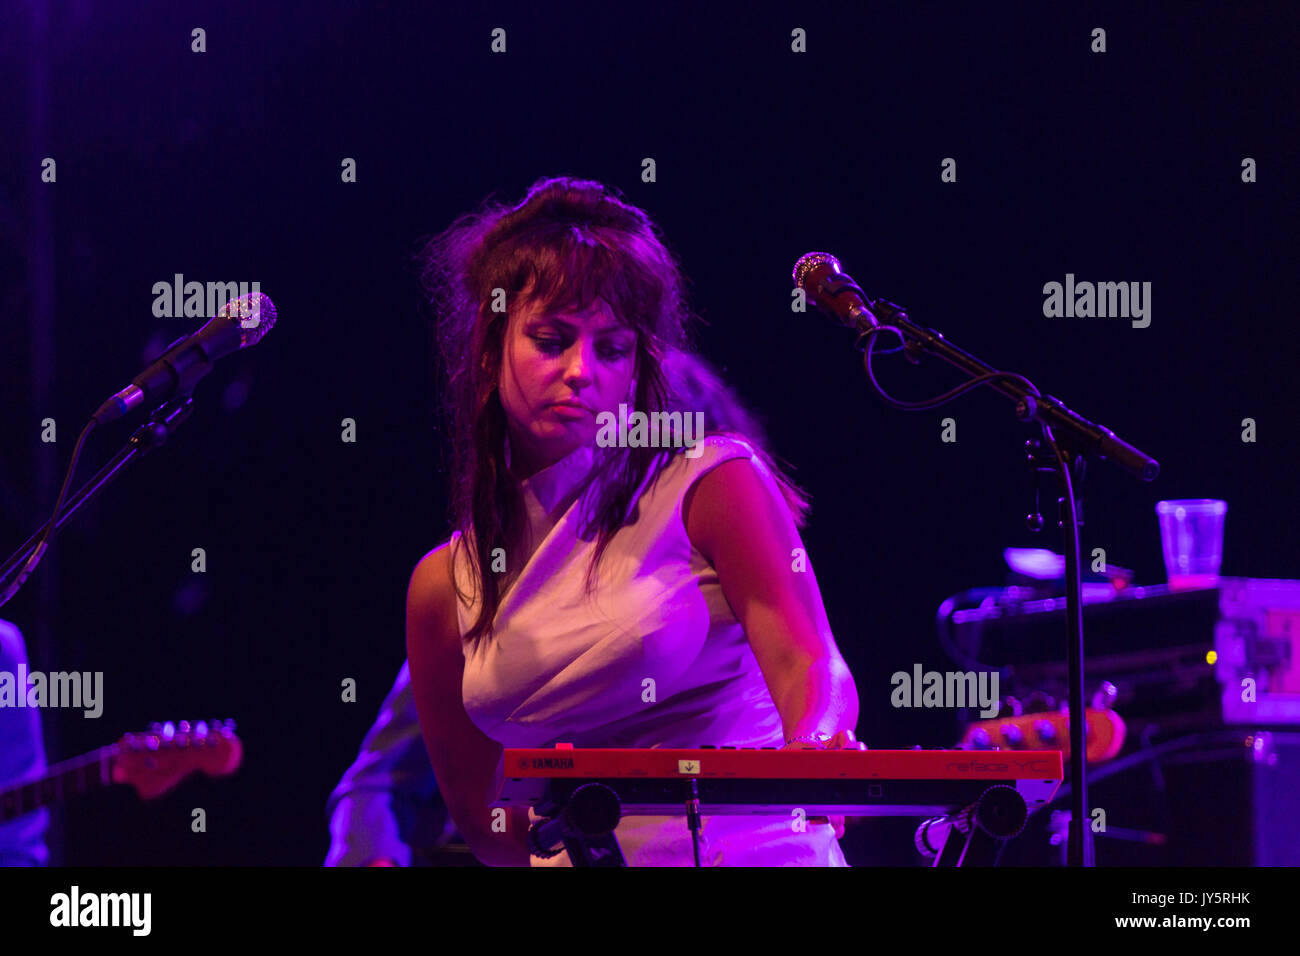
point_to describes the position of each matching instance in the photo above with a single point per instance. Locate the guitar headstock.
(155, 761)
(1049, 730)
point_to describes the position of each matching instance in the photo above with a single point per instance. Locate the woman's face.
(585, 359)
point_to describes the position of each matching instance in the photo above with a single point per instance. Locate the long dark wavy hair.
(565, 243)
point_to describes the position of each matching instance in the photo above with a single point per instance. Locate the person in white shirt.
(604, 595)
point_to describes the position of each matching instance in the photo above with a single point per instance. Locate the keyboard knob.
(1045, 731)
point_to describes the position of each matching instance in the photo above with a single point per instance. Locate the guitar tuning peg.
(1105, 696)
(1046, 732)
(1013, 735)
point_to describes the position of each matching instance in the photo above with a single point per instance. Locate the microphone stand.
(175, 373)
(162, 423)
(1071, 439)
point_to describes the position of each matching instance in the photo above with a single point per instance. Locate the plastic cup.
(1191, 534)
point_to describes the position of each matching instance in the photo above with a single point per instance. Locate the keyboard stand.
(975, 835)
(585, 825)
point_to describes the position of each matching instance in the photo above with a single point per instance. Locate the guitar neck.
(92, 771)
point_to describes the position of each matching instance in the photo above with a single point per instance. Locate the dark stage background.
(225, 165)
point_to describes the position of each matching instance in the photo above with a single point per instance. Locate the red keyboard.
(746, 781)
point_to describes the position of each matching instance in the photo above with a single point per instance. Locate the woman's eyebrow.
(556, 320)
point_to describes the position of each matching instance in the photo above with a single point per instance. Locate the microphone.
(836, 294)
(241, 323)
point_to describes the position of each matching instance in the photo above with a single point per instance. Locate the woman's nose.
(581, 363)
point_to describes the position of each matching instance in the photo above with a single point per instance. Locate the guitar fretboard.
(79, 775)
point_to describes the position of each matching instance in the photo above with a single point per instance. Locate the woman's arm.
(743, 527)
(466, 762)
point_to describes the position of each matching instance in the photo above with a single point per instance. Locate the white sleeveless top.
(653, 657)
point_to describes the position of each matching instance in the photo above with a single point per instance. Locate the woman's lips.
(571, 409)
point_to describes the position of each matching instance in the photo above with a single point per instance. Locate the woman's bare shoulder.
(432, 591)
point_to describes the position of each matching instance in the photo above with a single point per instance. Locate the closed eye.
(549, 345)
(553, 345)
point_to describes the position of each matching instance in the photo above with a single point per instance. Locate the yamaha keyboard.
(738, 781)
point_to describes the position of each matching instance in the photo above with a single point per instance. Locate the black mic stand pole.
(162, 423)
(1072, 438)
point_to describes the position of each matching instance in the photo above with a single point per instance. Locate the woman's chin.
(573, 433)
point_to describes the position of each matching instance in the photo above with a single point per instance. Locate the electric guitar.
(153, 762)
(1049, 730)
